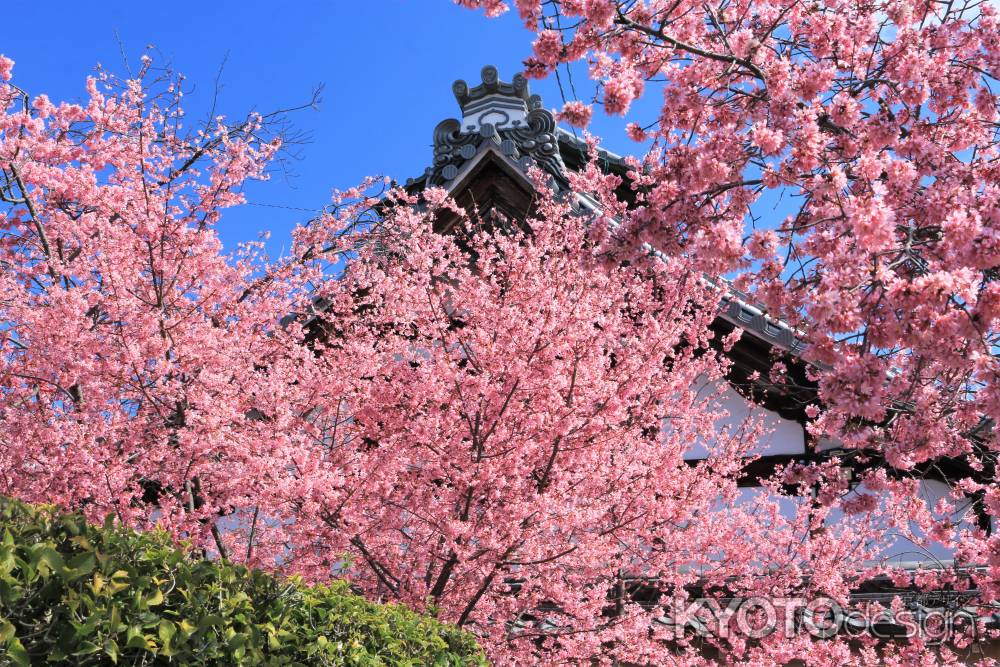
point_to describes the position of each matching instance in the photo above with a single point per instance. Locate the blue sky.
(387, 67)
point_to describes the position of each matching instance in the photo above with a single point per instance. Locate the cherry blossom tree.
(505, 460)
(492, 424)
(129, 340)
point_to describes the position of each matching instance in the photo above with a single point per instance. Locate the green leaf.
(86, 648)
(7, 631)
(154, 599)
(209, 621)
(17, 654)
(52, 559)
(80, 566)
(118, 583)
(135, 638)
(111, 648)
(187, 629)
(167, 631)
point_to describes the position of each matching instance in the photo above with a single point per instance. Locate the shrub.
(75, 593)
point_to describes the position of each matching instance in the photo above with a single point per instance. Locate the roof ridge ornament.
(492, 85)
(494, 101)
(504, 115)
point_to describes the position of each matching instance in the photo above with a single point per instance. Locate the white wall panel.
(781, 436)
(901, 545)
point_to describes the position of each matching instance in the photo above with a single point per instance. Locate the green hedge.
(73, 593)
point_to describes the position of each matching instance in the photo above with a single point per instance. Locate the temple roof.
(505, 122)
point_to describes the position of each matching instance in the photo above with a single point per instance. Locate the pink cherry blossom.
(576, 113)
(548, 47)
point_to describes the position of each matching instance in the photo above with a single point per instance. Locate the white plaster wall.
(781, 436)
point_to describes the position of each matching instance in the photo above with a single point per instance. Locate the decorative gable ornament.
(498, 115)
